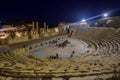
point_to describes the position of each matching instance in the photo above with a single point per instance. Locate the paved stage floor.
(75, 45)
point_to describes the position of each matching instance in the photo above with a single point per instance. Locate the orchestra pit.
(81, 51)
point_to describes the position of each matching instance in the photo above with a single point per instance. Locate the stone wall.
(24, 49)
(17, 39)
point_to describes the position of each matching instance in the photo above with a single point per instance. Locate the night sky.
(55, 11)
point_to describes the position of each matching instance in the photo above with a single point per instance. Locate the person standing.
(73, 52)
(57, 56)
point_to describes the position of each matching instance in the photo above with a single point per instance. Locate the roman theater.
(70, 51)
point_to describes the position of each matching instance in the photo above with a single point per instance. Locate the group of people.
(63, 44)
(56, 56)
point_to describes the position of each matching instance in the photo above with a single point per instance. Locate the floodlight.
(83, 20)
(105, 14)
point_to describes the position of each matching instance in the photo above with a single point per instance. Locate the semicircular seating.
(102, 60)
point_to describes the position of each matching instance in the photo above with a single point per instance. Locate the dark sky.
(54, 11)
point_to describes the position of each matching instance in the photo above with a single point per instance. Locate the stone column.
(47, 28)
(33, 25)
(44, 26)
(37, 26)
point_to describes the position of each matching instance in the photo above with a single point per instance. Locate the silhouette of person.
(71, 55)
(57, 56)
(73, 52)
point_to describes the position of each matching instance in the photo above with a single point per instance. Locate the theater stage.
(76, 45)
